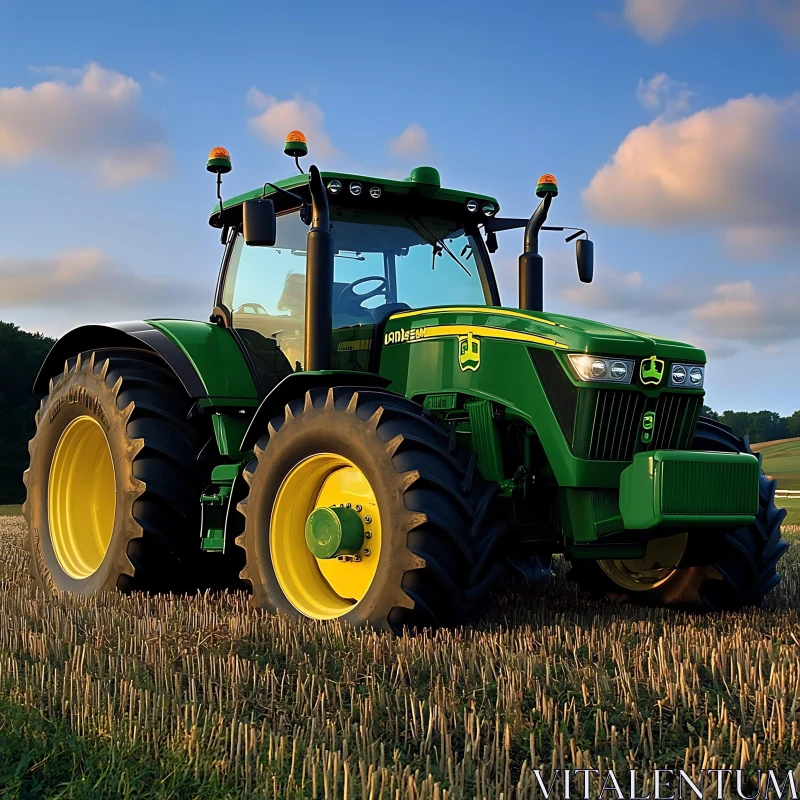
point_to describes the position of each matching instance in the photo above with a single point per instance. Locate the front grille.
(606, 424)
(676, 416)
(702, 487)
(615, 425)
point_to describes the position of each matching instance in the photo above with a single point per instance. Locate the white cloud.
(664, 95)
(615, 290)
(765, 317)
(90, 119)
(413, 141)
(782, 14)
(278, 117)
(654, 20)
(85, 285)
(723, 317)
(735, 165)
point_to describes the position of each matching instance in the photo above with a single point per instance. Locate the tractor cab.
(396, 246)
(383, 263)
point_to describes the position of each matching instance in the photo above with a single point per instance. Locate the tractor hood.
(535, 327)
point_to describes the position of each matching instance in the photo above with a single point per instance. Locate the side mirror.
(258, 222)
(584, 254)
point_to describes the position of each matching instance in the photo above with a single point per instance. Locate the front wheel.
(360, 509)
(705, 569)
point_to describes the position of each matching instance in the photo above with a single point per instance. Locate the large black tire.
(142, 409)
(437, 562)
(721, 570)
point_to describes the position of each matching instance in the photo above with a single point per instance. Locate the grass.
(781, 460)
(10, 511)
(792, 506)
(205, 697)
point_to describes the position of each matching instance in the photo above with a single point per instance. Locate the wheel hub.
(335, 531)
(325, 536)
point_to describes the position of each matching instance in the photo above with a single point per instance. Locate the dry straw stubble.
(206, 697)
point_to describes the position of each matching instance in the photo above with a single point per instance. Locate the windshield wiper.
(436, 242)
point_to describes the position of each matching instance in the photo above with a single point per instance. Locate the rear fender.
(205, 358)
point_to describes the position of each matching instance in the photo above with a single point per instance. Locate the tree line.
(21, 355)
(759, 426)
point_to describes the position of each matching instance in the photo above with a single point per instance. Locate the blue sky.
(673, 127)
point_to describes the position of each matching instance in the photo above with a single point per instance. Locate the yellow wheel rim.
(658, 565)
(81, 498)
(323, 588)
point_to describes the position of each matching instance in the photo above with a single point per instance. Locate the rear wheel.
(114, 482)
(706, 569)
(361, 509)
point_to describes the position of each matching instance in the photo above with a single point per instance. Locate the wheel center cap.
(334, 531)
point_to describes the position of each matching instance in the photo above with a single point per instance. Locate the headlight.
(686, 376)
(472, 206)
(334, 187)
(600, 368)
(488, 209)
(355, 188)
(374, 192)
(678, 374)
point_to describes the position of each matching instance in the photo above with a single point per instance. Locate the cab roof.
(421, 194)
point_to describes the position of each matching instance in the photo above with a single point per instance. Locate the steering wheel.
(350, 302)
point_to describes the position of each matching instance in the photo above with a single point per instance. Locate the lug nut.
(367, 552)
(358, 508)
(367, 534)
(357, 559)
(368, 519)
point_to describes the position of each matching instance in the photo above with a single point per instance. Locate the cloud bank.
(88, 118)
(736, 165)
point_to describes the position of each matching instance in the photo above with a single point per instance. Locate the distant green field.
(10, 511)
(782, 461)
(792, 506)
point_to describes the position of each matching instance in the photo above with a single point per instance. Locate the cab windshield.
(382, 264)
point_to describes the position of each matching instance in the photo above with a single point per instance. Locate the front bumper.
(669, 488)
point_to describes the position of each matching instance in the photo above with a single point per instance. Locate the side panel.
(501, 371)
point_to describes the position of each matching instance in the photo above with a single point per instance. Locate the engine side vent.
(560, 391)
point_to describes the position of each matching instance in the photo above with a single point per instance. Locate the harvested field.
(156, 697)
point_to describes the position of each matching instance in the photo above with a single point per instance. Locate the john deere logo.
(648, 426)
(469, 352)
(652, 370)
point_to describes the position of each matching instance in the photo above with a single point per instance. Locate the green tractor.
(361, 431)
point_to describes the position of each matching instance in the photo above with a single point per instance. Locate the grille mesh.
(676, 415)
(698, 487)
(615, 426)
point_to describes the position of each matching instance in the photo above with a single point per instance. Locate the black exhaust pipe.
(531, 264)
(319, 279)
